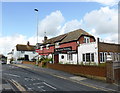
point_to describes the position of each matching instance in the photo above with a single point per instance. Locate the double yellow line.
(18, 86)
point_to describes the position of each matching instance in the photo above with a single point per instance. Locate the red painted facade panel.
(70, 44)
(44, 50)
(81, 40)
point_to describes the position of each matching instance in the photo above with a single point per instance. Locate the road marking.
(40, 86)
(21, 66)
(11, 75)
(49, 85)
(77, 78)
(18, 85)
(37, 83)
(30, 89)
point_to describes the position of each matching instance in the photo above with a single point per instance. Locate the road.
(25, 79)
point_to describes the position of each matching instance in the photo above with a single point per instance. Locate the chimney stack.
(45, 39)
(28, 43)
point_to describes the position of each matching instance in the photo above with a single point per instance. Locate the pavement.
(97, 84)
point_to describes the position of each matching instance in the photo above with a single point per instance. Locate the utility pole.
(36, 10)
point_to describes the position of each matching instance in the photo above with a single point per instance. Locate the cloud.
(104, 20)
(51, 24)
(100, 23)
(7, 43)
(70, 26)
(104, 2)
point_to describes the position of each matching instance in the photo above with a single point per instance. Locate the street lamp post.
(36, 10)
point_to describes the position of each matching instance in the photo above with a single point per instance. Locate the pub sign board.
(63, 49)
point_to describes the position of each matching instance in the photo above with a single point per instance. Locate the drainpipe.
(98, 50)
(77, 52)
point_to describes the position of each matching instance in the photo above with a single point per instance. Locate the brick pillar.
(109, 69)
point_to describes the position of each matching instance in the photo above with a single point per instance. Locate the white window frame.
(57, 45)
(47, 46)
(90, 57)
(118, 56)
(103, 57)
(86, 39)
(22, 52)
(70, 57)
(41, 47)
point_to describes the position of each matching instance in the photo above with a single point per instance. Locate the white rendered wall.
(67, 61)
(64, 60)
(88, 48)
(9, 58)
(18, 54)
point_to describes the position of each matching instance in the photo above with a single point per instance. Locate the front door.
(56, 58)
(26, 57)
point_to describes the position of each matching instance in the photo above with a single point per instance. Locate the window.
(119, 56)
(33, 52)
(100, 57)
(41, 47)
(69, 57)
(83, 57)
(22, 52)
(103, 56)
(88, 57)
(62, 57)
(92, 57)
(47, 46)
(86, 39)
(116, 57)
(57, 45)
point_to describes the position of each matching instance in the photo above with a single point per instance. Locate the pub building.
(64, 48)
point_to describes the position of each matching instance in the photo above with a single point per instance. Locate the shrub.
(102, 64)
(45, 61)
(60, 62)
(22, 58)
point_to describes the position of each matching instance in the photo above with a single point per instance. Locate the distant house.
(3, 58)
(10, 57)
(24, 52)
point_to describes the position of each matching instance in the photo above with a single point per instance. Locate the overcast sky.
(19, 23)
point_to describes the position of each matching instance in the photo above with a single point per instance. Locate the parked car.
(2, 62)
(16, 62)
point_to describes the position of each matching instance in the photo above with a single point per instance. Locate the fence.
(89, 71)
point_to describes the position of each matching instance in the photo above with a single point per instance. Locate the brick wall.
(80, 70)
(27, 62)
(113, 72)
(117, 75)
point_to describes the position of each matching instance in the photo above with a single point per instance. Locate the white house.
(88, 52)
(96, 52)
(25, 52)
(9, 57)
